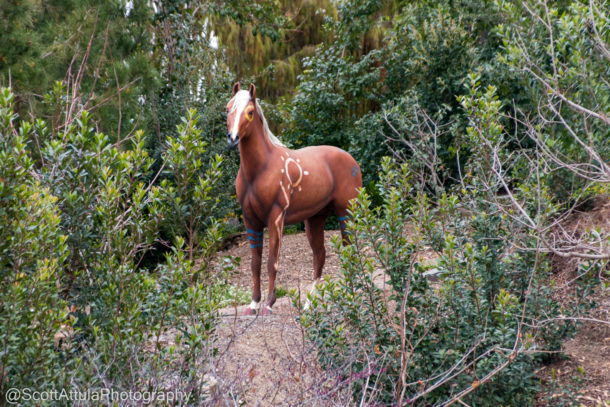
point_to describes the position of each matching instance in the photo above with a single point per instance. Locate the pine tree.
(63, 56)
(275, 63)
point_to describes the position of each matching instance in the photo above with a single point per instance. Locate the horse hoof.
(266, 311)
(249, 311)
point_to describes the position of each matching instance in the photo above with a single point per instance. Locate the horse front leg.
(255, 239)
(276, 229)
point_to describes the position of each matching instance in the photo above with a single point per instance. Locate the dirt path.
(267, 361)
(296, 267)
(583, 377)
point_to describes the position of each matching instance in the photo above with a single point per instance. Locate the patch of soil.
(583, 376)
(267, 361)
(295, 266)
(574, 226)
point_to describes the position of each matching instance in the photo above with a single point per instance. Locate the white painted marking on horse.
(291, 185)
(254, 305)
(298, 181)
(279, 224)
(286, 197)
(306, 172)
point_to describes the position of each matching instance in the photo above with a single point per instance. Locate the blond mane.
(274, 140)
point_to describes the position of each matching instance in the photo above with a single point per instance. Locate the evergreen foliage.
(425, 55)
(99, 51)
(275, 61)
(77, 308)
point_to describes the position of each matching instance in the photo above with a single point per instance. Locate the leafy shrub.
(422, 343)
(476, 336)
(423, 57)
(77, 309)
(32, 253)
(190, 192)
(563, 64)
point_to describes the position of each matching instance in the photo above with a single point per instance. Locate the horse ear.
(236, 88)
(252, 92)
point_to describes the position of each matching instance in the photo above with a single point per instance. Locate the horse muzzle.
(233, 142)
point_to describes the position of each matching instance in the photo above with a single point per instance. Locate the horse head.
(240, 114)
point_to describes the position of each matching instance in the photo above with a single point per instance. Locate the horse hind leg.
(314, 229)
(343, 216)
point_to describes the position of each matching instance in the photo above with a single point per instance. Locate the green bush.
(77, 308)
(479, 333)
(426, 343)
(32, 253)
(189, 191)
(563, 65)
(422, 57)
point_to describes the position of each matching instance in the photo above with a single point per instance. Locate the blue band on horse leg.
(342, 218)
(254, 246)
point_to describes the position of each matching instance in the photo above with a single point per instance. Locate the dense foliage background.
(479, 123)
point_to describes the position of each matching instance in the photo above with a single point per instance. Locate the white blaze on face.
(240, 101)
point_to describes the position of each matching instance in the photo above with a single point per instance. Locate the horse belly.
(300, 213)
(310, 198)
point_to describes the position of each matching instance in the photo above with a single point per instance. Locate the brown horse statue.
(277, 186)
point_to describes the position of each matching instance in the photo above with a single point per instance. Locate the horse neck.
(254, 152)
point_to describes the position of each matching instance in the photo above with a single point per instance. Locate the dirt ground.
(583, 377)
(267, 361)
(296, 262)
